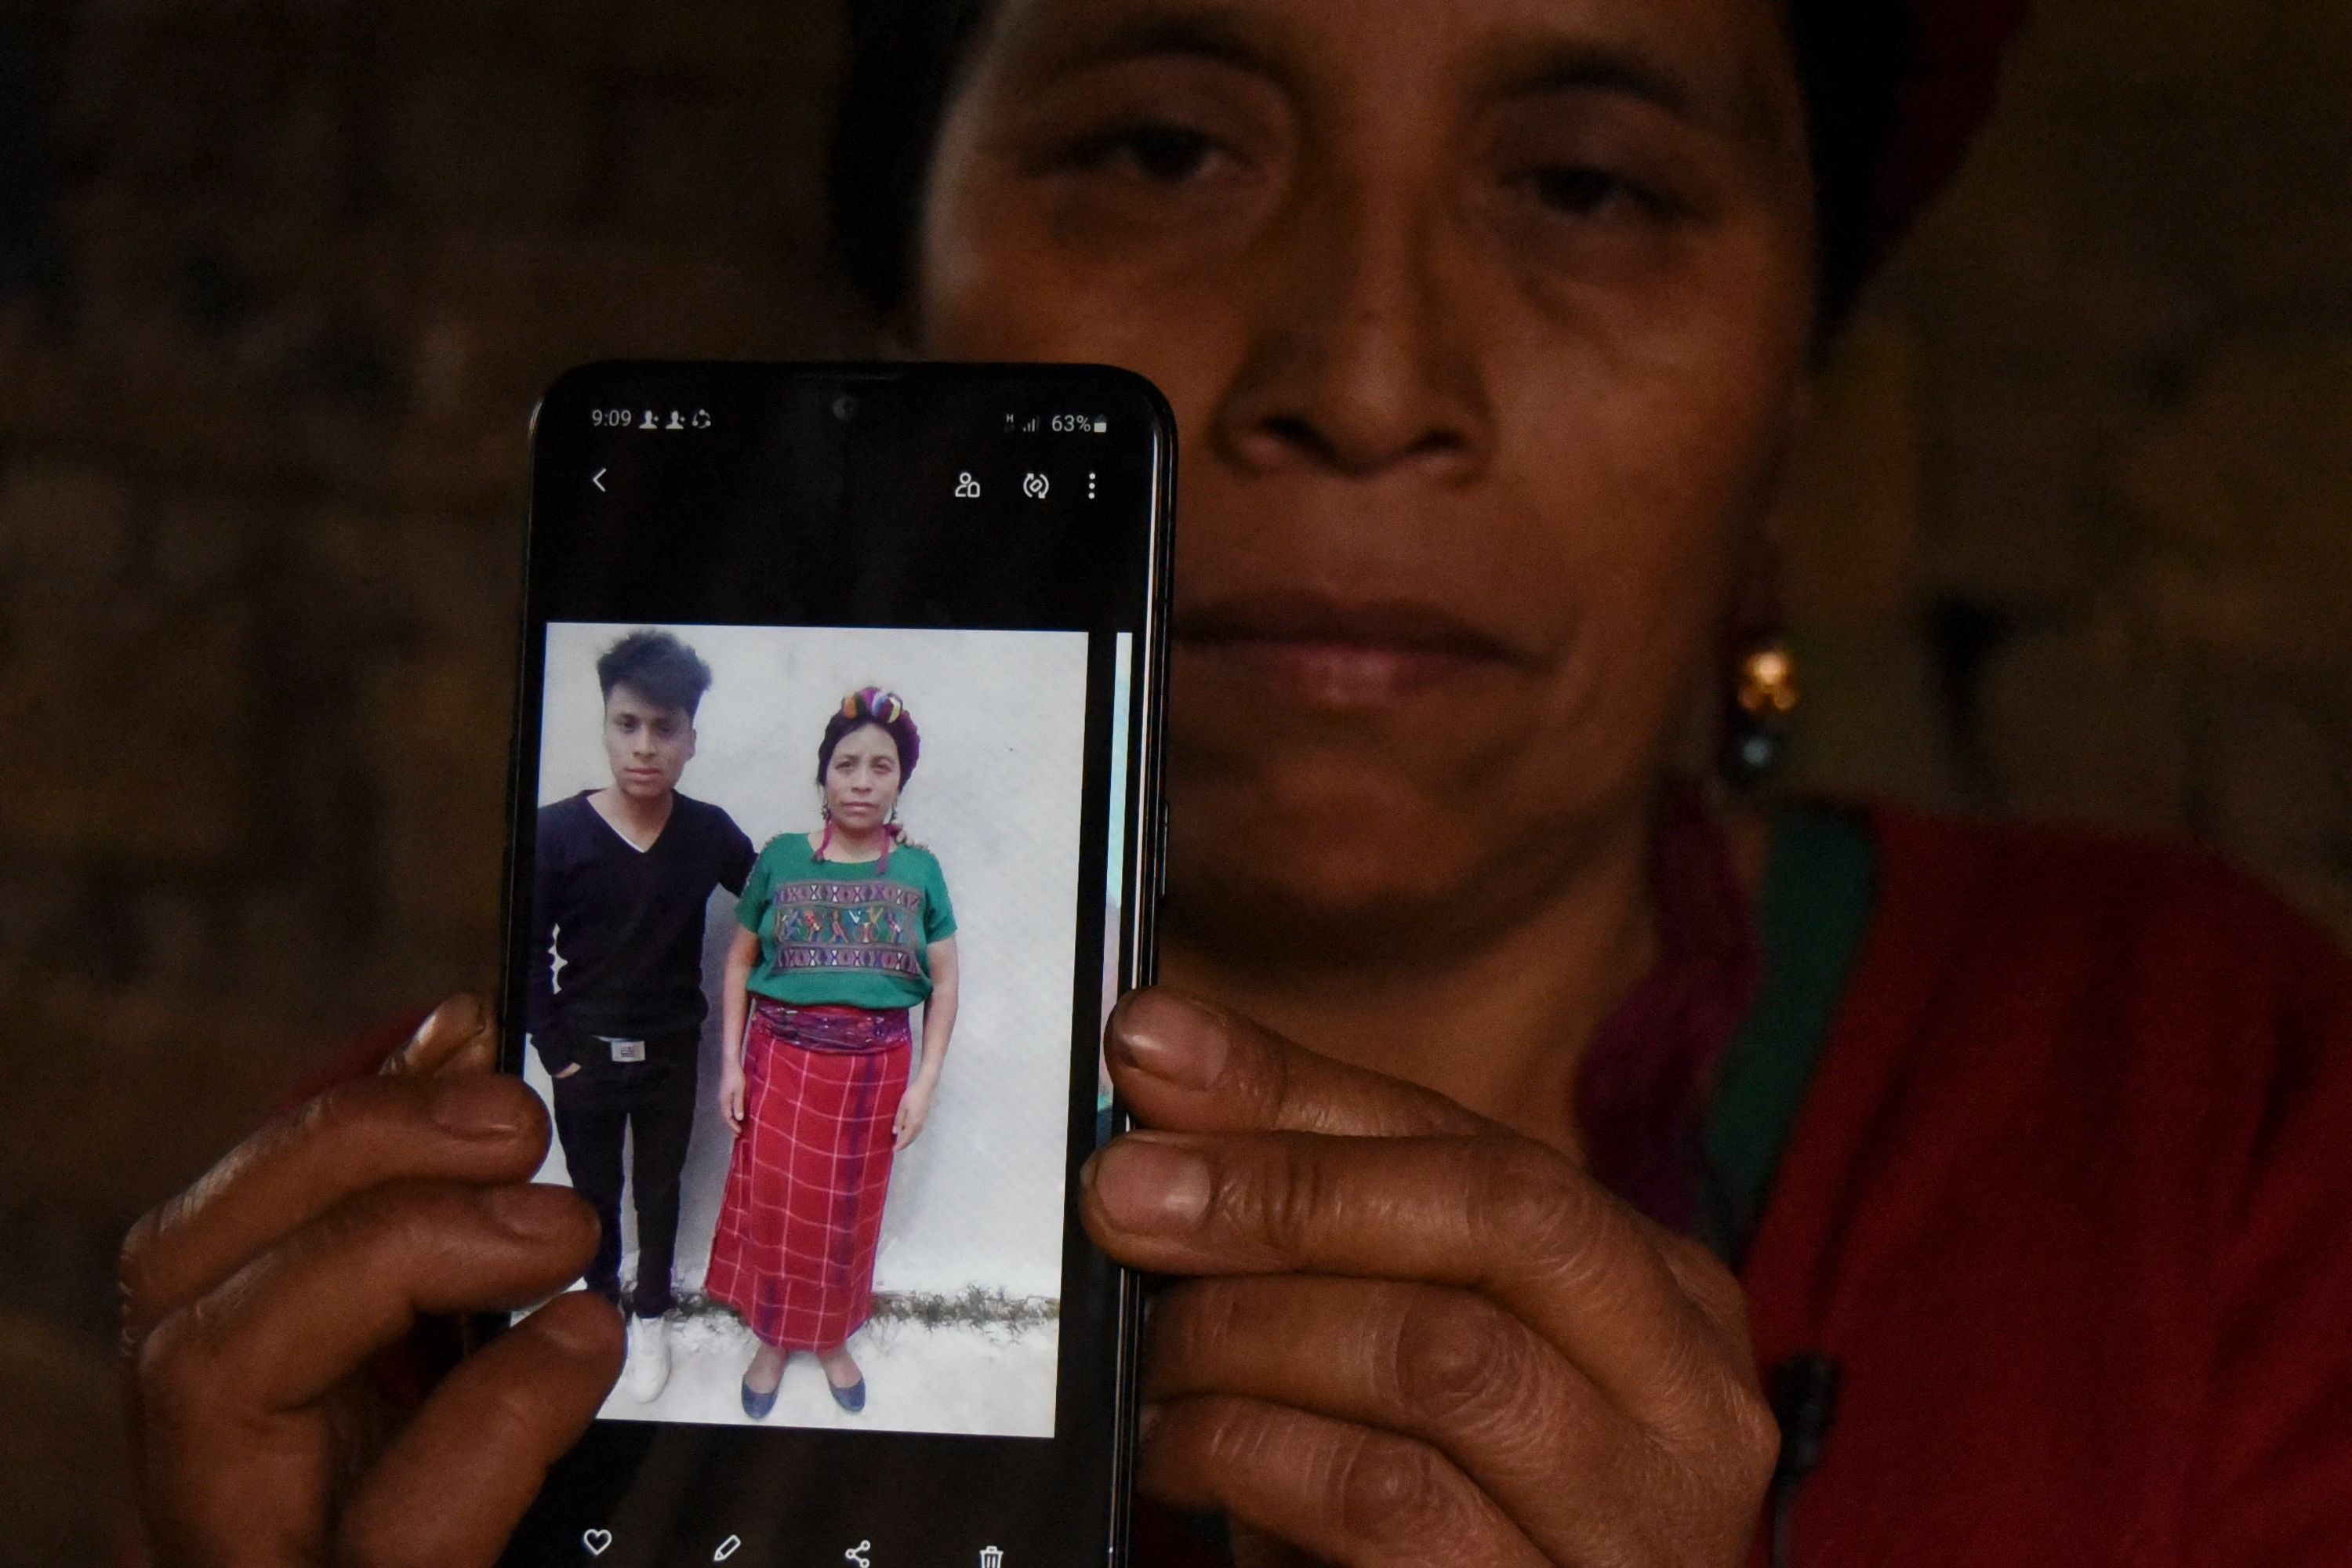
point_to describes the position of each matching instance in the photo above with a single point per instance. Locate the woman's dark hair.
(1852, 59)
(884, 711)
(1853, 56)
(657, 668)
(904, 59)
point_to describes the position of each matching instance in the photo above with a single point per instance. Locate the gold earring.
(1764, 698)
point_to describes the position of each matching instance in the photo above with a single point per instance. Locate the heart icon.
(595, 1540)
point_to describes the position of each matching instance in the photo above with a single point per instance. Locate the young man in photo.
(621, 881)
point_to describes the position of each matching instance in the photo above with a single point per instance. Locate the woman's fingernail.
(1148, 1183)
(1172, 1040)
(443, 1033)
(476, 1105)
(533, 1212)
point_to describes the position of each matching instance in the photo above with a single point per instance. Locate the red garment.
(802, 1214)
(1641, 1090)
(2070, 1203)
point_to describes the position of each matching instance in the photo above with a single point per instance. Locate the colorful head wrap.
(873, 702)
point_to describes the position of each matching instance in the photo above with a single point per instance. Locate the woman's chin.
(1282, 898)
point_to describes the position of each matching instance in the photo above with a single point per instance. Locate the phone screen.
(835, 837)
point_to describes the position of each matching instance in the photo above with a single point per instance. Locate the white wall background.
(996, 797)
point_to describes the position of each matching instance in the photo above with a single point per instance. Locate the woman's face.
(1484, 322)
(861, 783)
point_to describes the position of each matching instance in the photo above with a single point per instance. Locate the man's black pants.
(653, 1101)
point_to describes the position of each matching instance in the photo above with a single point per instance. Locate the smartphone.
(836, 831)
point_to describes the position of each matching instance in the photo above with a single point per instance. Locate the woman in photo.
(845, 931)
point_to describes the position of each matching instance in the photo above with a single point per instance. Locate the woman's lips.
(1332, 654)
(1338, 675)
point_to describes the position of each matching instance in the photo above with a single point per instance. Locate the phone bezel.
(821, 385)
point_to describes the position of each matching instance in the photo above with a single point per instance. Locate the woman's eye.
(1583, 192)
(1165, 154)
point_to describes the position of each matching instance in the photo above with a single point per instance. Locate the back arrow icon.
(597, 479)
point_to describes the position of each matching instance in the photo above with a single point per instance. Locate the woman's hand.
(914, 1109)
(731, 1095)
(254, 1301)
(1412, 1336)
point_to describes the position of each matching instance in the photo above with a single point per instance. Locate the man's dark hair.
(657, 668)
(904, 56)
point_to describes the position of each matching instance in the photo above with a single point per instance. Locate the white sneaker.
(647, 1371)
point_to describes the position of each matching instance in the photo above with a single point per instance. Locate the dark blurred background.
(281, 279)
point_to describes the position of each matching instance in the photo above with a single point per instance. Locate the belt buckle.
(625, 1050)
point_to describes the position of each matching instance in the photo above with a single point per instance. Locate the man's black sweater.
(616, 931)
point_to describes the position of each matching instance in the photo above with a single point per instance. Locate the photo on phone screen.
(835, 835)
(805, 1224)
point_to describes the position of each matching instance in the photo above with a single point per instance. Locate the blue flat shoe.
(852, 1399)
(757, 1404)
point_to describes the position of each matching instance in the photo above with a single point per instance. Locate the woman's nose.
(1360, 358)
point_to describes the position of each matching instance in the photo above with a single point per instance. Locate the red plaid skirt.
(803, 1211)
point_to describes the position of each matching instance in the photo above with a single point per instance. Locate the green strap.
(1820, 893)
